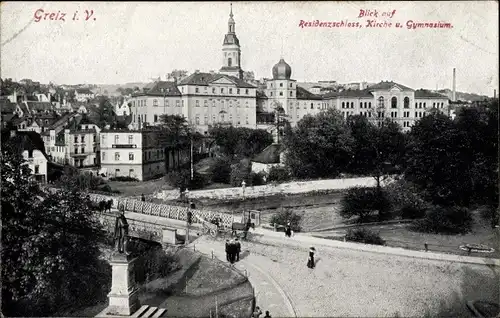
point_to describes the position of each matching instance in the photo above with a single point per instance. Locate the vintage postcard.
(250, 159)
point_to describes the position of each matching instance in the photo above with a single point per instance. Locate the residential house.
(84, 94)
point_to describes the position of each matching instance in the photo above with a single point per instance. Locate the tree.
(106, 113)
(178, 131)
(177, 75)
(240, 142)
(319, 146)
(50, 253)
(364, 134)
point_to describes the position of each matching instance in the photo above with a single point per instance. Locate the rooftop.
(270, 155)
(424, 93)
(389, 85)
(302, 93)
(204, 79)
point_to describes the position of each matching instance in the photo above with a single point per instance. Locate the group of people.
(233, 250)
(257, 312)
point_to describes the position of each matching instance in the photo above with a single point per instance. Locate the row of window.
(82, 138)
(281, 94)
(146, 155)
(117, 139)
(222, 90)
(281, 85)
(83, 149)
(79, 162)
(222, 119)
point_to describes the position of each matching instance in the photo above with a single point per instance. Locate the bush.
(285, 216)
(221, 171)
(199, 181)
(405, 199)
(152, 262)
(279, 174)
(241, 172)
(123, 179)
(178, 179)
(257, 179)
(361, 202)
(445, 220)
(365, 236)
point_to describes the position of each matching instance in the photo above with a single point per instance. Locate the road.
(357, 283)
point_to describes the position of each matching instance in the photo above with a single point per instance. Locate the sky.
(123, 42)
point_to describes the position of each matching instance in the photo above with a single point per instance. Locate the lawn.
(136, 188)
(398, 235)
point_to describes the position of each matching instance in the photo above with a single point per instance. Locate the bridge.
(160, 223)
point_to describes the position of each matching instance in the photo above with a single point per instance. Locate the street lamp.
(243, 185)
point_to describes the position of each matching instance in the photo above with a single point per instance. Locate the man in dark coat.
(121, 232)
(232, 251)
(237, 248)
(227, 251)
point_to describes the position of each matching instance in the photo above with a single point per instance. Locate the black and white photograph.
(250, 159)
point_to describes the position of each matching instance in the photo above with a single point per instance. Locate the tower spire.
(231, 14)
(281, 48)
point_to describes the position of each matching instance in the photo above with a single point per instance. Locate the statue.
(121, 232)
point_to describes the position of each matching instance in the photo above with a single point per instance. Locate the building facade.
(142, 154)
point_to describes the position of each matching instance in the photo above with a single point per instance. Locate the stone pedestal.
(123, 297)
(169, 236)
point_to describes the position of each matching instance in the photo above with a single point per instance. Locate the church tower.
(231, 52)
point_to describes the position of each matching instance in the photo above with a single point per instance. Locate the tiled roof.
(24, 108)
(204, 79)
(302, 93)
(61, 121)
(7, 107)
(26, 140)
(388, 85)
(424, 93)
(349, 93)
(271, 154)
(163, 88)
(39, 106)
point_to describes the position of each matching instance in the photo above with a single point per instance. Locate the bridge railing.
(143, 229)
(161, 210)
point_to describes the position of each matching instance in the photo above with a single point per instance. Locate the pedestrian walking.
(257, 312)
(267, 314)
(232, 251)
(227, 251)
(288, 230)
(237, 249)
(143, 198)
(310, 260)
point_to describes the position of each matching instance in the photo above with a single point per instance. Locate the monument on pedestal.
(123, 297)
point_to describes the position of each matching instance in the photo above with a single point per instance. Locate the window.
(281, 84)
(222, 104)
(425, 105)
(365, 105)
(291, 94)
(213, 118)
(83, 149)
(291, 85)
(82, 138)
(94, 149)
(434, 105)
(116, 139)
(312, 106)
(205, 103)
(117, 172)
(246, 91)
(229, 62)
(416, 114)
(177, 103)
(230, 103)
(406, 102)
(442, 105)
(197, 103)
(381, 102)
(117, 156)
(271, 93)
(246, 119)
(76, 139)
(95, 138)
(197, 119)
(369, 104)
(166, 103)
(222, 117)
(230, 117)
(213, 104)
(130, 156)
(130, 139)
(156, 118)
(281, 93)
(76, 150)
(420, 105)
(238, 91)
(360, 105)
(205, 120)
(182, 103)
(222, 90)
(145, 102)
(394, 102)
(103, 156)
(343, 104)
(155, 102)
(95, 161)
(246, 104)
(230, 91)
(213, 90)
(197, 90)
(352, 104)
(37, 169)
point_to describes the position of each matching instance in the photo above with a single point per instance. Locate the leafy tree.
(445, 220)
(319, 146)
(364, 134)
(287, 215)
(178, 131)
(278, 174)
(361, 202)
(50, 254)
(365, 236)
(240, 142)
(221, 170)
(240, 172)
(105, 112)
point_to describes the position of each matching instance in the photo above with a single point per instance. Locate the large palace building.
(207, 99)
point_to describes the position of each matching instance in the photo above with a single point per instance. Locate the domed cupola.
(282, 71)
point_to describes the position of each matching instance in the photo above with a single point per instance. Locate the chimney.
(361, 86)
(494, 93)
(453, 96)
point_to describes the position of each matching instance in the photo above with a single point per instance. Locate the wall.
(289, 188)
(262, 167)
(39, 160)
